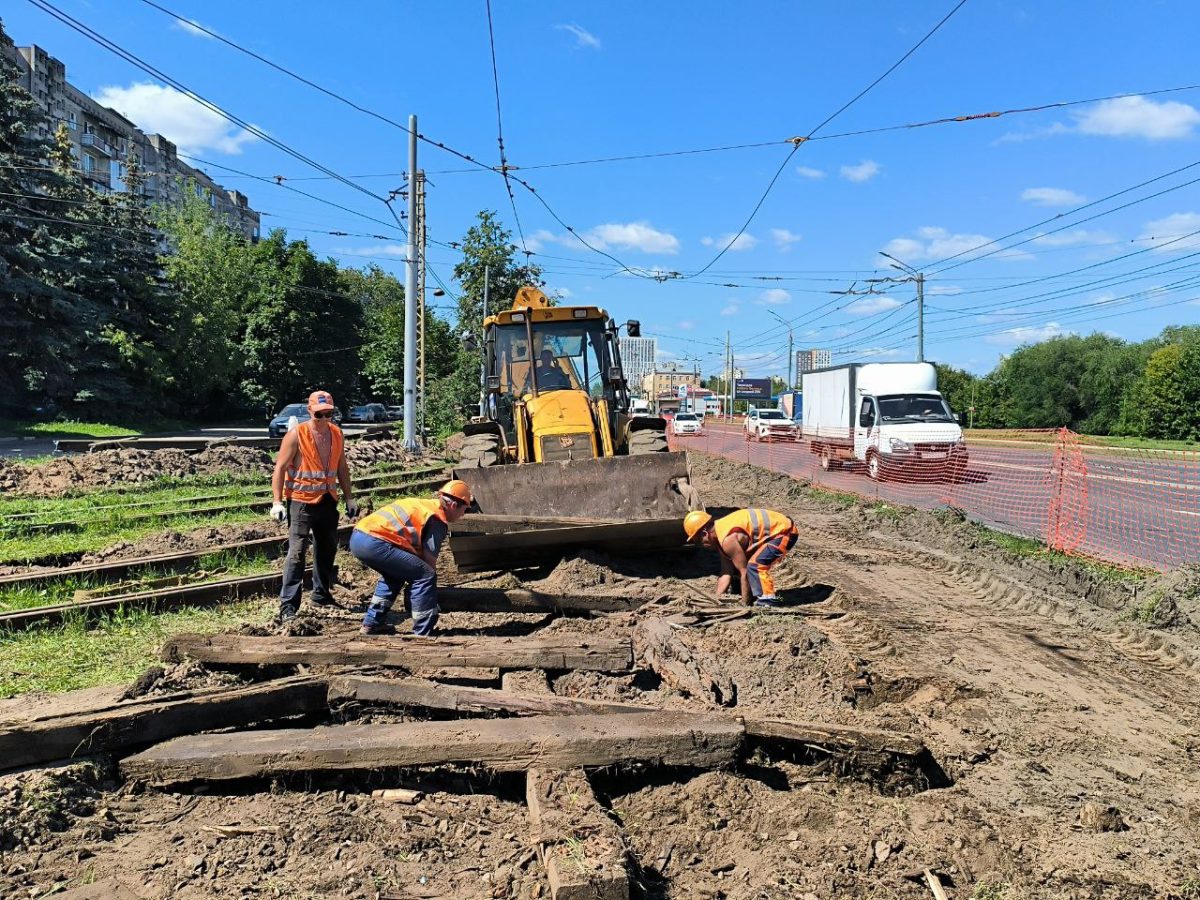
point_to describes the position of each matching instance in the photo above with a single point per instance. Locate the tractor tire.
(480, 451)
(648, 440)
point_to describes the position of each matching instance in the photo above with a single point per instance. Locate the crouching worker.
(748, 542)
(401, 542)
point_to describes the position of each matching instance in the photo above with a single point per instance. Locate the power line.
(500, 130)
(798, 142)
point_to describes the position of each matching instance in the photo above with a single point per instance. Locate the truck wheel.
(647, 440)
(875, 468)
(480, 451)
(829, 462)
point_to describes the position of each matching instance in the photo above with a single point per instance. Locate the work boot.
(768, 601)
(286, 614)
(377, 629)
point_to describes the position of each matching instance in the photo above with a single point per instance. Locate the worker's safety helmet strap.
(458, 490)
(694, 522)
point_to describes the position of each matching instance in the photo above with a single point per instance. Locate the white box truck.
(886, 416)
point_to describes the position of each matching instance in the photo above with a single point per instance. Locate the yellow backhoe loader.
(554, 459)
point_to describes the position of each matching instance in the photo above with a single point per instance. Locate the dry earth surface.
(1064, 730)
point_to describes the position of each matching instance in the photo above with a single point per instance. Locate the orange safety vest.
(402, 522)
(314, 477)
(759, 524)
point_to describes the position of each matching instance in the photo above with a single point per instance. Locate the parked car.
(770, 425)
(278, 426)
(369, 412)
(687, 423)
(394, 413)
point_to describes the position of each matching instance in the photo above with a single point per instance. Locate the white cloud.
(774, 297)
(633, 236)
(583, 37)
(809, 172)
(1028, 334)
(1078, 238)
(179, 117)
(743, 241)
(877, 352)
(539, 239)
(933, 242)
(1048, 196)
(732, 308)
(784, 239)
(564, 293)
(194, 28)
(864, 171)
(686, 325)
(869, 306)
(943, 290)
(1139, 117)
(1170, 228)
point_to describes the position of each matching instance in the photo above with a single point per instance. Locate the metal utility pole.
(791, 347)
(487, 276)
(418, 224)
(728, 379)
(410, 297)
(919, 278)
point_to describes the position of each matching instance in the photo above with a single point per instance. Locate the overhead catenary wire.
(798, 142)
(500, 129)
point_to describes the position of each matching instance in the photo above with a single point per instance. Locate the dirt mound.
(365, 454)
(186, 676)
(454, 444)
(186, 541)
(116, 468)
(586, 569)
(37, 804)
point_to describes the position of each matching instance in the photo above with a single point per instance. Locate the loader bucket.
(536, 513)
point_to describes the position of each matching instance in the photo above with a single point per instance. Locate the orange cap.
(319, 400)
(458, 490)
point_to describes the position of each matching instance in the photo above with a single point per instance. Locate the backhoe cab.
(555, 388)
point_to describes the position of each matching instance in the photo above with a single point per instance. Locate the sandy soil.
(1066, 730)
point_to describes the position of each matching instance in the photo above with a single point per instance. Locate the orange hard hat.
(458, 490)
(319, 401)
(694, 522)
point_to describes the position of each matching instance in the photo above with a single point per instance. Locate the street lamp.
(919, 277)
(791, 342)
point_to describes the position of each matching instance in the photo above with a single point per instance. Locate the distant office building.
(102, 140)
(668, 381)
(811, 360)
(639, 356)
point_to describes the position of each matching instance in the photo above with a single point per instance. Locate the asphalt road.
(1139, 508)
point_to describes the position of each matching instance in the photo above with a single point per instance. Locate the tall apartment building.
(102, 140)
(811, 360)
(639, 355)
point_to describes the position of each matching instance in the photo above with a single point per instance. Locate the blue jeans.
(397, 568)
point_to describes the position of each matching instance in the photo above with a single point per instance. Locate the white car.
(770, 425)
(687, 423)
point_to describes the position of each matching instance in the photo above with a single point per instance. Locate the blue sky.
(585, 81)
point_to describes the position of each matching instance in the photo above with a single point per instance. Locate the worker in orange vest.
(749, 542)
(309, 469)
(401, 542)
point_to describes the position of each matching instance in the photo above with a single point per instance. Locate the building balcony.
(99, 176)
(98, 144)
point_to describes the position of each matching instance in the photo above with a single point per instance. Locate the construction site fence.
(1134, 507)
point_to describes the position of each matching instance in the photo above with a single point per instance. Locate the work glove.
(278, 512)
(351, 509)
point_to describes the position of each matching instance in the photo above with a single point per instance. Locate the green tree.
(488, 246)
(955, 385)
(1162, 404)
(381, 297)
(213, 275)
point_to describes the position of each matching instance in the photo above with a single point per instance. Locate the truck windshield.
(914, 408)
(566, 356)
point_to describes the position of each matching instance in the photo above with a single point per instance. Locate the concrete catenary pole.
(920, 317)
(410, 297)
(419, 225)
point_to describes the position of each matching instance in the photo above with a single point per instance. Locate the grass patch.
(18, 548)
(990, 890)
(842, 499)
(1190, 889)
(115, 651)
(1023, 546)
(68, 428)
(1094, 440)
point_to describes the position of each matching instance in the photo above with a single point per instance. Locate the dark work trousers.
(320, 520)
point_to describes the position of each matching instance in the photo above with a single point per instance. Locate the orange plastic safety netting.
(1132, 507)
